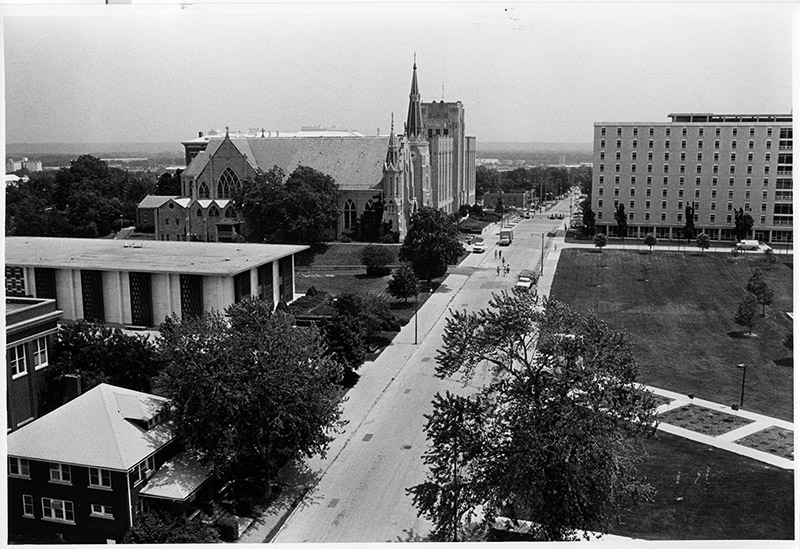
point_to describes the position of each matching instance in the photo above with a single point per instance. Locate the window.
(733, 157)
(696, 180)
(27, 505)
(683, 144)
(747, 194)
(227, 183)
(735, 131)
(40, 353)
(666, 168)
(752, 132)
(619, 132)
(716, 132)
(102, 511)
(616, 191)
(668, 131)
(730, 195)
(650, 144)
(603, 132)
(60, 473)
(730, 181)
(733, 169)
(766, 169)
(635, 132)
(19, 467)
(351, 215)
(749, 168)
(145, 469)
(666, 144)
(602, 168)
(680, 193)
(17, 362)
(633, 191)
(664, 192)
(663, 216)
(680, 216)
(633, 168)
(616, 168)
(619, 143)
(202, 190)
(602, 155)
(683, 132)
(728, 219)
(713, 181)
(630, 204)
(649, 180)
(700, 144)
(747, 206)
(699, 157)
(666, 156)
(769, 132)
(663, 204)
(733, 144)
(748, 182)
(750, 144)
(683, 168)
(646, 204)
(716, 144)
(763, 219)
(713, 206)
(647, 216)
(600, 203)
(700, 132)
(714, 193)
(99, 478)
(763, 195)
(635, 143)
(681, 180)
(140, 507)
(633, 155)
(56, 509)
(749, 157)
(715, 168)
(601, 179)
(616, 180)
(618, 155)
(680, 205)
(766, 157)
(648, 192)
(683, 157)
(633, 180)
(602, 143)
(712, 218)
(769, 144)
(650, 132)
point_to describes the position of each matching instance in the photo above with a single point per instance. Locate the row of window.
(699, 156)
(698, 168)
(62, 510)
(700, 144)
(701, 131)
(712, 218)
(779, 195)
(780, 183)
(59, 472)
(227, 184)
(17, 359)
(695, 205)
(213, 211)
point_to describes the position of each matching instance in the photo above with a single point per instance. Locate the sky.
(524, 72)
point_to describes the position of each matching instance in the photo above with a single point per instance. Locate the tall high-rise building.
(709, 166)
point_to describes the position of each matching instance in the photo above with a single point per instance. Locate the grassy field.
(707, 493)
(681, 321)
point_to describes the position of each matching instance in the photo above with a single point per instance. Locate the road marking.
(407, 447)
(367, 438)
(426, 359)
(333, 503)
(406, 391)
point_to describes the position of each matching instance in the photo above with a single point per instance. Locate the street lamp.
(416, 310)
(744, 371)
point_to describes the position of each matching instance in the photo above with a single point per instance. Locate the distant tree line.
(544, 181)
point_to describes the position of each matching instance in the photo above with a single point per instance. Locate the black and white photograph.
(361, 273)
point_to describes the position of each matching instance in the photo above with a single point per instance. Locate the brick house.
(83, 472)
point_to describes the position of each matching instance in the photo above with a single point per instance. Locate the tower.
(420, 180)
(393, 187)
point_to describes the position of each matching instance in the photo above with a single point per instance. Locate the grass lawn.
(703, 420)
(773, 440)
(337, 254)
(707, 493)
(681, 321)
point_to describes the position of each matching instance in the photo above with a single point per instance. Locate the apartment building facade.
(713, 164)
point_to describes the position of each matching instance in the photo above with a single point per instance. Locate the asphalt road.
(361, 495)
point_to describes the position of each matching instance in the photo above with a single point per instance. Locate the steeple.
(392, 155)
(414, 122)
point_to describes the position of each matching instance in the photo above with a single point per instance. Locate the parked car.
(523, 284)
(747, 245)
(478, 246)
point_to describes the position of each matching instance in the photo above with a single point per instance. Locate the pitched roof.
(155, 201)
(95, 430)
(355, 162)
(177, 479)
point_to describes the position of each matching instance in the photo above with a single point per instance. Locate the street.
(361, 495)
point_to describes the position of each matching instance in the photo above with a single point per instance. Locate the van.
(506, 237)
(747, 245)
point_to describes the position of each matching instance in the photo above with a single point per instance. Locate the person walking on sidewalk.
(498, 270)
(495, 254)
(500, 254)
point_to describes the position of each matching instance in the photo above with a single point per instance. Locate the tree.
(376, 258)
(169, 184)
(161, 527)
(588, 219)
(747, 312)
(650, 240)
(622, 221)
(431, 243)
(352, 329)
(769, 257)
(97, 354)
(404, 283)
(249, 393)
(499, 207)
(555, 435)
(703, 242)
(688, 229)
(296, 209)
(757, 286)
(486, 180)
(600, 241)
(743, 224)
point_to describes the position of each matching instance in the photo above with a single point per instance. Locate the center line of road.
(367, 437)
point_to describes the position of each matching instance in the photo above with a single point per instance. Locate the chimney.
(199, 134)
(72, 387)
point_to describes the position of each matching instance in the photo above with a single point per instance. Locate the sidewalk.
(376, 378)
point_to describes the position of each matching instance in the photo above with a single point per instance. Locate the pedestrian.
(500, 254)
(498, 270)
(503, 259)
(495, 254)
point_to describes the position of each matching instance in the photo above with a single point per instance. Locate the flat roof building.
(705, 165)
(131, 283)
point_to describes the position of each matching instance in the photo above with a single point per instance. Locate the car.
(523, 284)
(478, 247)
(747, 245)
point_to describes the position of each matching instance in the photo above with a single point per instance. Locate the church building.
(431, 163)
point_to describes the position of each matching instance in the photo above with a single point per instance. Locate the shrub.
(390, 238)
(228, 528)
(346, 238)
(376, 258)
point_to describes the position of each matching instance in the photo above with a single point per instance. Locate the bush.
(228, 528)
(376, 258)
(390, 238)
(345, 238)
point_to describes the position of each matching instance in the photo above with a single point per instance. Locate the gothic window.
(202, 190)
(213, 211)
(227, 183)
(350, 215)
(229, 213)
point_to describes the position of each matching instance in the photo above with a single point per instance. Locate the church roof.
(155, 201)
(101, 428)
(355, 162)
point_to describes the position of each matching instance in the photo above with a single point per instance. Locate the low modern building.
(129, 283)
(83, 472)
(713, 164)
(30, 327)
(515, 200)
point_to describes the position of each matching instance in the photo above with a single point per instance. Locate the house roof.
(355, 162)
(97, 429)
(203, 258)
(177, 479)
(155, 201)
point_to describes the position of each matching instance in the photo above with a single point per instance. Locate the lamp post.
(744, 371)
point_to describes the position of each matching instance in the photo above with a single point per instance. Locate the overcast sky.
(523, 72)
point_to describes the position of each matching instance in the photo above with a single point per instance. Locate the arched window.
(227, 183)
(350, 215)
(199, 212)
(202, 191)
(213, 211)
(229, 212)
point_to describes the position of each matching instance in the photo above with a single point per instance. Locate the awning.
(177, 479)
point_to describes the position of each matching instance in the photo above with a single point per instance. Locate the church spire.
(414, 122)
(392, 156)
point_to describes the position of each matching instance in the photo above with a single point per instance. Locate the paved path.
(390, 386)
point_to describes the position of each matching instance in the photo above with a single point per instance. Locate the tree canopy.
(650, 240)
(758, 286)
(169, 184)
(97, 354)
(553, 438)
(747, 312)
(688, 229)
(622, 220)
(377, 258)
(358, 318)
(703, 242)
(600, 241)
(431, 243)
(249, 391)
(300, 208)
(588, 218)
(161, 527)
(404, 283)
(742, 224)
